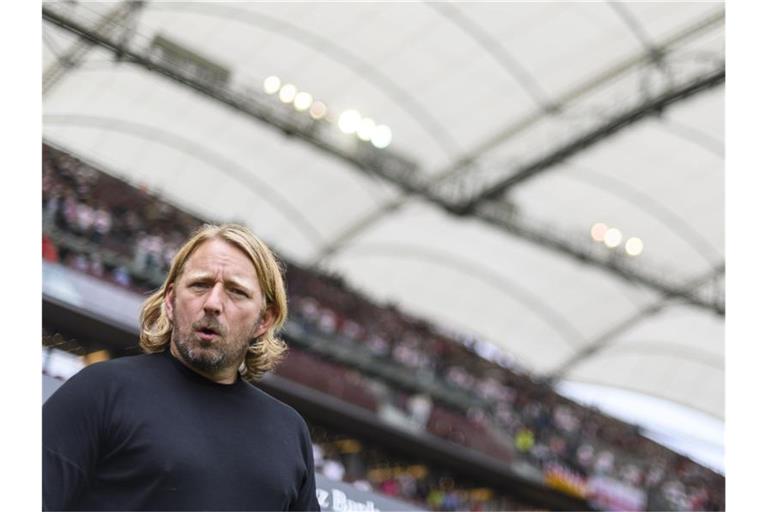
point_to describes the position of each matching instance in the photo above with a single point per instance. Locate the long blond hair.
(264, 353)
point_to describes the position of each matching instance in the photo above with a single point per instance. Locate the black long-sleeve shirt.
(148, 433)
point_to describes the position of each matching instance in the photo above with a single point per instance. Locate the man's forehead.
(216, 257)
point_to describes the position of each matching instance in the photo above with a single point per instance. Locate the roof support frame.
(605, 339)
(651, 107)
(643, 59)
(503, 216)
(387, 164)
(121, 13)
(359, 66)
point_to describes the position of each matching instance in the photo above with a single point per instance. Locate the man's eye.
(241, 293)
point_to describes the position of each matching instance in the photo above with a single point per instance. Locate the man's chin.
(202, 358)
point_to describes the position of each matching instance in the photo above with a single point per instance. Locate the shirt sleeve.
(72, 423)
(307, 496)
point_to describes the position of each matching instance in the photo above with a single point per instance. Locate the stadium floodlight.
(287, 93)
(382, 136)
(365, 130)
(318, 110)
(349, 120)
(612, 238)
(634, 246)
(302, 101)
(598, 231)
(271, 84)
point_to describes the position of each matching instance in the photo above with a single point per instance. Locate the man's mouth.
(206, 333)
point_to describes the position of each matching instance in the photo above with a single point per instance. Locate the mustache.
(210, 324)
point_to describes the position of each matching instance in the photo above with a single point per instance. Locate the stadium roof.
(515, 128)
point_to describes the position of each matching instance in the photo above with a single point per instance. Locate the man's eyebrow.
(199, 276)
(239, 283)
(205, 276)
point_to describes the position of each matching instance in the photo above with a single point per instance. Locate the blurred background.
(502, 226)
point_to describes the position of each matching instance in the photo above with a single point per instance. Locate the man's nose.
(214, 301)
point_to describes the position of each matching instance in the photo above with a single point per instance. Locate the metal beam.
(504, 217)
(652, 107)
(387, 163)
(109, 24)
(605, 339)
(642, 60)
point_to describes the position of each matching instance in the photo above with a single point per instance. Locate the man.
(179, 428)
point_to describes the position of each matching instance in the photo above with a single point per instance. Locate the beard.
(210, 357)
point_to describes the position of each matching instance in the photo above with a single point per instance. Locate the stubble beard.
(209, 357)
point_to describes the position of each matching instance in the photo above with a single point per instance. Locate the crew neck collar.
(194, 376)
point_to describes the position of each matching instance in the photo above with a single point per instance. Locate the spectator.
(50, 251)
(102, 224)
(121, 276)
(70, 214)
(524, 440)
(85, 218)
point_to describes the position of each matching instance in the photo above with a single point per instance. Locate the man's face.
(216, 306)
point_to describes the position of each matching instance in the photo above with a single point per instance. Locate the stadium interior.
(473, 203)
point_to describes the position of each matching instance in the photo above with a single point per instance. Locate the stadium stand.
(383, 360)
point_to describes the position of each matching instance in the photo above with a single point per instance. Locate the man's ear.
(168, 302)
(266, 321)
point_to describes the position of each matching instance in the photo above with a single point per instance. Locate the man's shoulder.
(102, 382)
(274, 406)
(119, 368)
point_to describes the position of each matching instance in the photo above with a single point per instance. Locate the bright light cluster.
(612, 238)
(349, 122)
(301, 100)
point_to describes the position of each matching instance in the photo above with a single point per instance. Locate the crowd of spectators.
(339, 456)
(542, 426)
(129, 237)
(135, 234)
